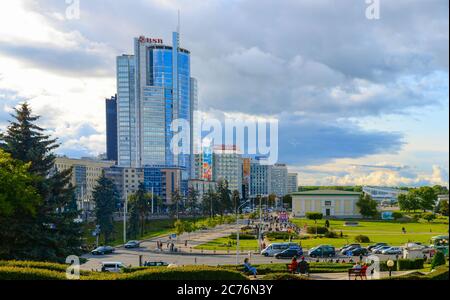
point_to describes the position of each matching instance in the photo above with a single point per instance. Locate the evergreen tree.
(106, 199)
(224, 197)
(236, 200)
(140, 204)
(51, 233)
(192, 201)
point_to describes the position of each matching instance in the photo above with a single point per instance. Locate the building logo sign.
(143, 39)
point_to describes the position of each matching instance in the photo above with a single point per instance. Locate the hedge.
(184, 273)
(34, 264)
(362, 239)
(281, 235)
(408, 264)
(264, 269)
(243, 236)
(440, 273)
(284, 276)
(320, 230)
(14, 273)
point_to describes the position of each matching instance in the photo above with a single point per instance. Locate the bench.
(357, 273)
(302, 269)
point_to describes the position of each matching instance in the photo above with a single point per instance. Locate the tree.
(314, 216)
(427, 198)
(429, 217)
(438, 260)
(106, 198)
(443, 207)
(224, 195)
(413, 198)
(367, 206)
(208, 203)
(403, 202)
(192, 200)
(236, 200)
(140, 204)
(272, 199)
(179, 227)
(175, 207)
(287, 200)
(51, 233)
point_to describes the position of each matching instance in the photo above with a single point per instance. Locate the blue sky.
(359, 101)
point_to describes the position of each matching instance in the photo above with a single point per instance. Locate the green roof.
(326, 193)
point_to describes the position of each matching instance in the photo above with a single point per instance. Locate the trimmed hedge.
(184, 273)
(320, 230)
(362, 239)
(243, 236)
(284, 276)
(34, 265)
(441, 273)
(265, 269)
(408, 264)
(281, 235)
(14, 273)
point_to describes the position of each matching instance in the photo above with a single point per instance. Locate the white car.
(112, 266)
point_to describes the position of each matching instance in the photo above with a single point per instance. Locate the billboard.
(207, 161)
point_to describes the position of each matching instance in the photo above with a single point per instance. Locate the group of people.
(169, 245)
(362, 267)
(301, 267)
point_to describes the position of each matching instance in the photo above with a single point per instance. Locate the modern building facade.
(228, 166)
(331, 203)
(126, 179)
(202, 187)
(260, 179)
(164, 182)
(111, 128)
(292, 183)
(383, 193)
(279, 180)
(85, 173)
(154, 89)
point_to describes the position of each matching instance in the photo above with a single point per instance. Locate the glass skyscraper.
(154, 88)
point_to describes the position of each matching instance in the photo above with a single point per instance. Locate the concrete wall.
(342, 206)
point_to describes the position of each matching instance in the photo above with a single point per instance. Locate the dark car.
(350, 248)
(375, 246)
(359, 251)
(102, 250)
(322, 251)
(289, 253)
(155, 264)
(132, 244)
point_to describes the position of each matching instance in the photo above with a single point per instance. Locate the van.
(112, 266)
(275, 248)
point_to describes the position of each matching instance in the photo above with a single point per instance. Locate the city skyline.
(350, 113)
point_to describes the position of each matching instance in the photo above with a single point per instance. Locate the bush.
(397, 215)
(243, 236)
(184, 273)
(320, 230)
(438, 259)
(281, 235)
(441, 273)
(410, 264)
(428, 216)
(34, 265)
(314, 216)
(19, 273)
(284, 276)
(384, 267)
(331, 235)
(362, 239)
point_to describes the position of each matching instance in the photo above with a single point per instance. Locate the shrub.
(438, 259)
(243, 236)
(314, 216)
(284, 276)
(320, 230)
(280, 235)
(410, 264)
(441, 273)
(397, 215)
(362, 239)
(34, 265)
(18, 273)
(384, 267)
(184, 273)
(428, 216)
(331, 235)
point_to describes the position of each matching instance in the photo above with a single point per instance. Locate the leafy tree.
(403, 202)
(208, 203)
(287, 199)
(440, 190)
(133, 227)
(140, 204)
(51, 233)
(413, 197)
(272, 199)
(428, 216)
(106, 199)
(438, 260)
(367, 206)
(179, 227)
(224, 204)
(443, 208)
(314, 216)
(236, 200)
(175, 206)
(192, 200)
(427, 198)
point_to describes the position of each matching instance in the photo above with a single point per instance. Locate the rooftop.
(327, 192)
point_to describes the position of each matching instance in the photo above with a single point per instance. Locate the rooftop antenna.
(178, 27)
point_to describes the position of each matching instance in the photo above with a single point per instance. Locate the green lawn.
(378, 231)
(153, 228)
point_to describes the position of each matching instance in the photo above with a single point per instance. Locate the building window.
(327, 203)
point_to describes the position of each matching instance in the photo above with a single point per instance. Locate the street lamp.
(390, 265)
(238, 229)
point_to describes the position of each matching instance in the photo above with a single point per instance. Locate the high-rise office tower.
(292, 185)
(228, 166)
(111, 128)
(279, 180)
(154, 89)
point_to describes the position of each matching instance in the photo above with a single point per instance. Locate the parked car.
(359, 251)
(155, 264)
(102, 250)
(322, 251)
(112, 266)
(393, 251)
(275, 248)
(379, 250)
(132, 244)
(371, 247)
(349, 249)
(289, 253)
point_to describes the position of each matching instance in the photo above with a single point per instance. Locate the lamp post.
(238, 229)
(125, 211)
(390, 265)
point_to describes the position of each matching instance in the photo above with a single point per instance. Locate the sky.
(359, 100)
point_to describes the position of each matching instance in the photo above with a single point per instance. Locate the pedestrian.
(249, 268)
(185, 243)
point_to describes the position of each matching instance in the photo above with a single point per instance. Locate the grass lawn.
(153, 228)
(378, 231)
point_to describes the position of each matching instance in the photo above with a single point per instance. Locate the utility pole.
(260, 224)
(152, 201)
(125, 211)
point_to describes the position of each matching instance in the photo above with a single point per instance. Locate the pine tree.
(51, 234)
(106, 199)
(140, 204)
